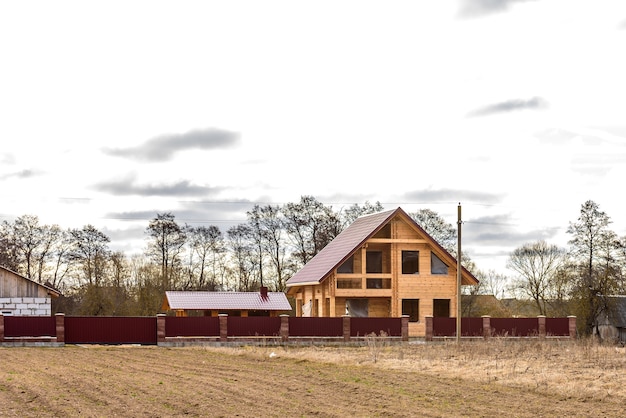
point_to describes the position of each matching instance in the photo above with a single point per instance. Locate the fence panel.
(110, 330)
(444, 327)
(192, 326)
(30, 326)
(364, 326)
(471, 327)
(557, 326)
(515, 327)
(315, 327)
(253, 325)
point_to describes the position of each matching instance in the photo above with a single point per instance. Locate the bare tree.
(90, 249)
(537, 265)
(207, 244)
(591, 244)
(310, 227)
(167, 239)
(243, 257)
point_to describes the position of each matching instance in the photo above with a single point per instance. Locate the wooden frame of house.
(262, 303)
(21, 296)
(383, 265)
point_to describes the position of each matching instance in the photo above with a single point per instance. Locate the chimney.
(263, 292)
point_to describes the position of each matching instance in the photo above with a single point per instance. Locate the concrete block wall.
(25, 306)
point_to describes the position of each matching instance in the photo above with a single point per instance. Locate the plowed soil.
(106, 381)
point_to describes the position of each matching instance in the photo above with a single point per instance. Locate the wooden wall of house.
(13, 285)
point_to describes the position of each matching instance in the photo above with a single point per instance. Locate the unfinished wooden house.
(383, 265)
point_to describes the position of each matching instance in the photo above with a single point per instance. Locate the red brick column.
(1, 327)
(346, 328)
(572, 327)
(405, 328)
(60, 327)
(429, 327)
(541, 326)
(161, 328)
(223, 326)
(284, 327)
(486, 326)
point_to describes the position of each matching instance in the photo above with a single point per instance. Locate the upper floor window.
(347, 266)
(410, 264)
(374, 262)
(437, 266)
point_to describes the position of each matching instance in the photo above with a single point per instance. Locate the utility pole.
(458, 277)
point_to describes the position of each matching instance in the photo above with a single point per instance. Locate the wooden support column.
(161, 328)
(429, 327)
(284, 327)
(541, 326)
(60, 327)
(223, 326)
(486, 326)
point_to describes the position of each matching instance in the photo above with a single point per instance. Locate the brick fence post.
(572, 326)
(541, 326)
(223, 326)
(405, 327)
(486, 326)
(1, 327)
(429, 327)
(346, 327)
(284, 327)
(160, 328)
(60, 327)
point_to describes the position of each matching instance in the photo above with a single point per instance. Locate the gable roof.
(51, 291)
(275, 301)
(350, 240)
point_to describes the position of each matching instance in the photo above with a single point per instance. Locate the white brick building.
(20, 296)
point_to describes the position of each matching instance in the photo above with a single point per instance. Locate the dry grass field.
(474, 379)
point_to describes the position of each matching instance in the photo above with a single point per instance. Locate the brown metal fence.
(253, 326)
(29, 326)
(110, 330)
(364, 326)
(192, 326)
(315, 327)
(515, 327)
(446, 327)
(557, 326)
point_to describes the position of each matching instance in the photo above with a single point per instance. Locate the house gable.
(370, 230)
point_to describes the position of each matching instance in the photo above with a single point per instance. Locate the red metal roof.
(275, 301)
(351, 239)
(339, 249)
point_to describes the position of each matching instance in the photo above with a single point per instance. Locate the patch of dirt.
(109, 381)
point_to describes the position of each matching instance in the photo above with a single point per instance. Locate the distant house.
(612, 326)
(383, 265)
(262, 303)
(21, 296)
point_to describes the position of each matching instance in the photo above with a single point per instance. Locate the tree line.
(266, 250)
(276, 241)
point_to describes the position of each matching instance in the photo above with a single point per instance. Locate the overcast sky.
(112, 112)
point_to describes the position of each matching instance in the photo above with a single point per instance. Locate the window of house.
(436, 265)
(374, 262)
(357, 308)
(441, 308)
(347, 266)
(411, 307)
(410, 263)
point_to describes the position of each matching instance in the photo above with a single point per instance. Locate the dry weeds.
(518, 378)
